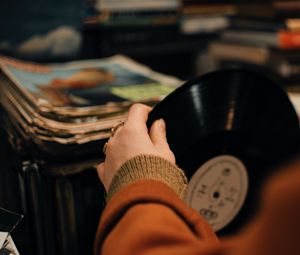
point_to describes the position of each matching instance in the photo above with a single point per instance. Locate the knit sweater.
(148, 167)
(145, 215)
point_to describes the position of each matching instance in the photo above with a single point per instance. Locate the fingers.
(136, 121)
(158, 137)
(158, 134)
(138, 115)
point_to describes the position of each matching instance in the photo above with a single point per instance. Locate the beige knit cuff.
(148, 167)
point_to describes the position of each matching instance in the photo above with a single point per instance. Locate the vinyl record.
(229, 130)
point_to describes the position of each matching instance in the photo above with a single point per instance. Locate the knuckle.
(125, 129)
(135, 107)
(139, 106)
(128, 130)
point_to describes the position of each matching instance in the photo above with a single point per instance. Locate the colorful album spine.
(289, 40)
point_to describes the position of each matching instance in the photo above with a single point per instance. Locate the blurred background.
(178, 37)
(62, 201)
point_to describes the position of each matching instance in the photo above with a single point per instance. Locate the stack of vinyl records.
(69, 109)
(55, 119)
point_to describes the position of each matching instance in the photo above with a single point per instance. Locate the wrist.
(148, 167)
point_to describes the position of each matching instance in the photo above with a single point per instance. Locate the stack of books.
(69, 109)
(204, 17)
(265, 37)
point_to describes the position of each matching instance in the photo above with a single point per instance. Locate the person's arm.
(144, 214)
(148, 217)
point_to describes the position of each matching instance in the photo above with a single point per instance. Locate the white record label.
(218, 190)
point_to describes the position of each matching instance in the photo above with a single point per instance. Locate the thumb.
(158, 134)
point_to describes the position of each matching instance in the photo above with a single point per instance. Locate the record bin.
(61, 202)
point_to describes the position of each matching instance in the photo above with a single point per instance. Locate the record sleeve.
(86, 87)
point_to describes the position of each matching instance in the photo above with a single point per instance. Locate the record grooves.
(235, 119)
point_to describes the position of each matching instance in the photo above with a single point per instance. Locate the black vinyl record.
(229, 130)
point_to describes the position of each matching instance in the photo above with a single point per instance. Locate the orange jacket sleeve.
(147, 217)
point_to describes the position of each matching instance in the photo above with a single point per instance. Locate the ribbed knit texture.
(148, 167)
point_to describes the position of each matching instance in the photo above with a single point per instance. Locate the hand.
(132, 140)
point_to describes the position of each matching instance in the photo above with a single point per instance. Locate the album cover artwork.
(85, 84)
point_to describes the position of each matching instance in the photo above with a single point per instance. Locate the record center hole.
(216, 194)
